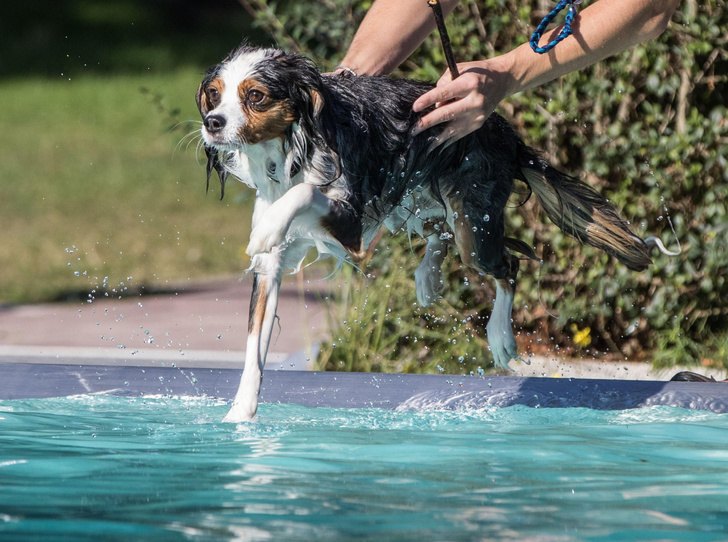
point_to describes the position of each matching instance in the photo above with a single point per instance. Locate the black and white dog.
(333, 158)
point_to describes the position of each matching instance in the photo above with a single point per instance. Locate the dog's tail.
(582, 212)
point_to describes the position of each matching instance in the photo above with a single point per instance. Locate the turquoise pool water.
(109, 468)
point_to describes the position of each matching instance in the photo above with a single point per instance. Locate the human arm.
(389, 33)
(602, 29)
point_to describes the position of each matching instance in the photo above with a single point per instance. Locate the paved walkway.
(205, 322)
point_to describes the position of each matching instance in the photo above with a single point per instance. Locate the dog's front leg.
(263, 306)
(270, 231)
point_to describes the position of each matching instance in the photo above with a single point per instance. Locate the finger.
(428, 99)
(439, 94)
(444, 80)
(451, 133)
(444, 113)
(444, 140)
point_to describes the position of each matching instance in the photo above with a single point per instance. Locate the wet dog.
(333, 158)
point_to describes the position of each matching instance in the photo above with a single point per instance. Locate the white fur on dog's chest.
(262, 168)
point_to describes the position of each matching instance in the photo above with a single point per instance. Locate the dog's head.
(256, 95)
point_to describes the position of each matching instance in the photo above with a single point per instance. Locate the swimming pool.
(98, 467)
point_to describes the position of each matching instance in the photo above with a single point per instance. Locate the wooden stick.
(442, 29)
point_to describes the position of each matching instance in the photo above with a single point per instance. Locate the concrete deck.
(203, 324)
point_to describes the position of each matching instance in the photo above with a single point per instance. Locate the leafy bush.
(647, 127)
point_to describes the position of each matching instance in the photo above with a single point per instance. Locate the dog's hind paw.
(503, 347)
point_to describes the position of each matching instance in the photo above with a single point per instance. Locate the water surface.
(96, 467)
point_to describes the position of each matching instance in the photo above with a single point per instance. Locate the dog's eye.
(213, 94)
(255, 96)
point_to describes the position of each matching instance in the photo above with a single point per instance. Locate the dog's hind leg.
(263, 306)
(500, 330)
(428, 276)
(481, 244)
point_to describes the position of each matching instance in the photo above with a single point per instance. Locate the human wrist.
(512, 71)
(364, 64)
(341, 69)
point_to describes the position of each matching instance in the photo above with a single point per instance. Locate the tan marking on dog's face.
(208, 97)
(265, 118)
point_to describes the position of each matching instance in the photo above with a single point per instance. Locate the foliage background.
(648, 127)
(101, 191)
(96, 192)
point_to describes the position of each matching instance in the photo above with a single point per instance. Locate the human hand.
(464, 103)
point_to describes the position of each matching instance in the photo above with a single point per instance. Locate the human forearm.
(390, 32)
(604, 28)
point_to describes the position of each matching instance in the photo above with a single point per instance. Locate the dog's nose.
(214, 123)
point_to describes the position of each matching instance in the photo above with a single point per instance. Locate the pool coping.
(360, 390)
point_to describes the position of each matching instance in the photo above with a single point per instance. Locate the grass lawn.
(96, 190)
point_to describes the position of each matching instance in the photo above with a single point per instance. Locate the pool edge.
(360, 390)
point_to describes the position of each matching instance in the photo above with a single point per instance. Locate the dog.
(332, 159)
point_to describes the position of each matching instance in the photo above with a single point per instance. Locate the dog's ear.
(201, 101)
(200, 96)
(309, 103)
(309, 96)
(214, 163)
(304, 87)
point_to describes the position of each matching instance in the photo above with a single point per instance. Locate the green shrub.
(647, 127)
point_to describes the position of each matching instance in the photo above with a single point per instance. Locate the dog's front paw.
(502, 345)
(428, 283)
(266, 235)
